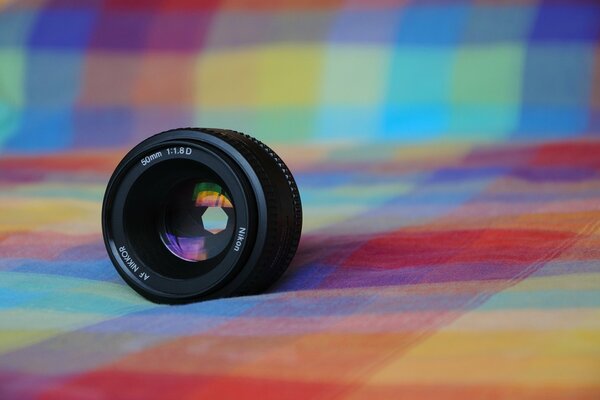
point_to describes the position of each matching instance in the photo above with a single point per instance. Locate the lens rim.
(239, 178)
(138, 214)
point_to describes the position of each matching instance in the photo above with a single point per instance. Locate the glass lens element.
(198, 221)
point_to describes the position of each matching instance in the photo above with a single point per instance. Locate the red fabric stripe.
(413, 249)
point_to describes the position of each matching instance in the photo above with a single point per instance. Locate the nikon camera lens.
(194, 214)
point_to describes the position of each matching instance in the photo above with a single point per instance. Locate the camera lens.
(194, 214)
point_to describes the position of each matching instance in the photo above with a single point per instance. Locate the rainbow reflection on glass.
(198, 221)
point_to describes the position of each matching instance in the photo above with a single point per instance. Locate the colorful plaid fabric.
(424, 272)
(448, 158)
(106, 73)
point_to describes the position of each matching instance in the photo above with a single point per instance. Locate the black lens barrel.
(266, 210)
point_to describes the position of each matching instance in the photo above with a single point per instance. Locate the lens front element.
(198, 220)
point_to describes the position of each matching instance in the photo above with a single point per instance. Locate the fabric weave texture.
(448, 158)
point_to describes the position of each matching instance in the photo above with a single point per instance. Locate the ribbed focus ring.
(284, 208)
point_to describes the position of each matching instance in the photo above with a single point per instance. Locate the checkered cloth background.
(107, 73)
(448, 158)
